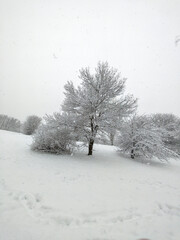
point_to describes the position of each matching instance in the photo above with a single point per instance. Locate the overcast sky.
(44, 43)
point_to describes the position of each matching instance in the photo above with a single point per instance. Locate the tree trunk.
(132, 150)
(132, 153)
(112, 139)
(91, 142)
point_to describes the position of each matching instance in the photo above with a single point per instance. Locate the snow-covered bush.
(54, 135)
(170, 124)
(140, 137)
(31, 124)
(9, 123)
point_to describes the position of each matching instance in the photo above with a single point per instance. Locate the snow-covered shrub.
(170, 124)
(31, 124)
(141, 138)
(54, 136)
(9, 123)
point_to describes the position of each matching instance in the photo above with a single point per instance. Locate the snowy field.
(104, 197)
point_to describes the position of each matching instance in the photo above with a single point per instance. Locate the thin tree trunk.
(91, 142)
(93, 134)
(132, 153)
(112, 139)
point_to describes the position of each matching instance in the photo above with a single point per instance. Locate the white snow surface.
(103, 197)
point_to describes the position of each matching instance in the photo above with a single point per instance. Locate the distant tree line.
(9, 123)
(28, 127)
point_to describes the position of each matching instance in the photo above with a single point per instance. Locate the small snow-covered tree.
(9, 123)
(170, 124)
(140, 137)
(97, 101)
(31, 124)
(112, 129)
(55, 135)
(111, 133)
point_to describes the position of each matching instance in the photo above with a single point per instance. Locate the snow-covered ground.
(104, 197)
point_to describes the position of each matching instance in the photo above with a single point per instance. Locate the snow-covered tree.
(97, 101)
(140, 137)
(170, 124)
(112, 130)
(31, 124)
(9, 123)
(111, 133)
(54, 135)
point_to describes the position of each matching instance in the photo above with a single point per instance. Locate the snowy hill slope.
(103, 197)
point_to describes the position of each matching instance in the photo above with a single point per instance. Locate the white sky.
(44, 43)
